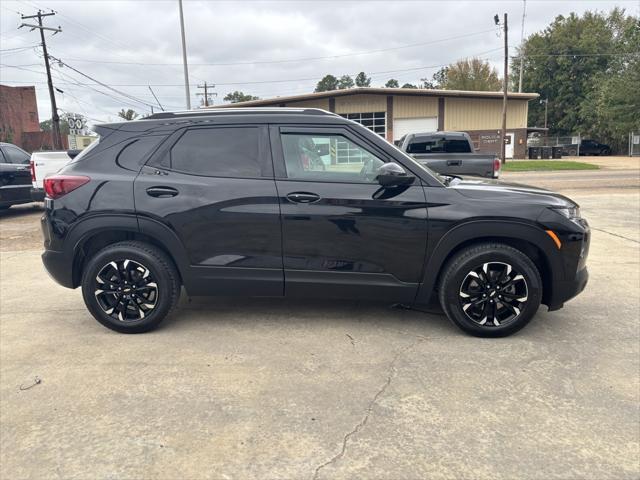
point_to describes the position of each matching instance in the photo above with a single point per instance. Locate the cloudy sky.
(265, 48)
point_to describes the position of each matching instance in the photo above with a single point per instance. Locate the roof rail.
(237, 111)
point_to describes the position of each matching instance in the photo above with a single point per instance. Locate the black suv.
(298, 202)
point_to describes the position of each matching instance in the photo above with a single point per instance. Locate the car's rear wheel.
(490, 290)
(130, 287)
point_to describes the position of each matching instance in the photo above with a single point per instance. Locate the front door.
(15, 176)
(509, 142)
(213, 186)
(343, 234)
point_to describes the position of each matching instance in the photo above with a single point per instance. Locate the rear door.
(15, 176)
(213, 187)
(343, 234)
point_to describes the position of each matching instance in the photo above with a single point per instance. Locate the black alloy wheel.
(490, 289)
(493, 294)
(126, 290)
(130, 286)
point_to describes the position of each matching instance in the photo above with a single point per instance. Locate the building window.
(374, 121)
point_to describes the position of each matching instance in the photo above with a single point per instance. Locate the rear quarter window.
(137, 151)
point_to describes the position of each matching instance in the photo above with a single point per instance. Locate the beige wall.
(322, 103)
(361, 104)
(414, 107)
(483, 114)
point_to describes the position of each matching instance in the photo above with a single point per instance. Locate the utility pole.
(546, 105)
(55, 118)
(206, 86)
(184, 59)
(524, 14)
(505, 86)
(154, 96)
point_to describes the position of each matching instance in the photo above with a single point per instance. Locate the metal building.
(394, 112)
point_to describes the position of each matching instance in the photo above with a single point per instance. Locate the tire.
(573, 152)
(477, 275)
(605, 152)
(129, 309)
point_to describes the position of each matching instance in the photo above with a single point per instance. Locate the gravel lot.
(267, 388)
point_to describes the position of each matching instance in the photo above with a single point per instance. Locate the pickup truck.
(44, 164)
(449, 153)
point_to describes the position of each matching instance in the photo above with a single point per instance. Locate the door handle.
(454, 163)
(22, 169)
(162, 192)
(303, 197)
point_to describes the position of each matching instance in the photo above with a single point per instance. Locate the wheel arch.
(91, 235)
(529, 239)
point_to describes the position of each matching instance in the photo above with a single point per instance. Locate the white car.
(44, 164)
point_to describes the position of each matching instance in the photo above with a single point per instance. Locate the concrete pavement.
(264, 388)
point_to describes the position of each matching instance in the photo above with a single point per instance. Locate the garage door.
(402, 126)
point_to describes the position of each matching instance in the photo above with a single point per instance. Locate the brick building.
(394, 112)
(19, 122)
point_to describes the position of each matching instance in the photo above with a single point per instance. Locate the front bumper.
(567, 289)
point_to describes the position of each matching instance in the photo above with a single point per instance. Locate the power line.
(292, 60)
(124, 94)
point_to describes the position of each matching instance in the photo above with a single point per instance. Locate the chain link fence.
(634, 144)
(548, 146)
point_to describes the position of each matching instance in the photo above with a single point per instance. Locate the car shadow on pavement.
(20, 210)
(282, 311)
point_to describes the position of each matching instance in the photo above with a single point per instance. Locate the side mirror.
(393, 175)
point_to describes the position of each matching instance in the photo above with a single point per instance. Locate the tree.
(409, 85)
(328, 82)
(392, 83)
(128, 114)
(589, 90)
(362, 80)
(345, 81)
(469, 74)
(237, 97)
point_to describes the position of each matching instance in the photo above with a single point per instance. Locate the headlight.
(572, 213)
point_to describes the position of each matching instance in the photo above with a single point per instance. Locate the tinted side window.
(14, 155)
(134, 153)
(328, 158)
(218, 152)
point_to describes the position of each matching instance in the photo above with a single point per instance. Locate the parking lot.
(268, 388)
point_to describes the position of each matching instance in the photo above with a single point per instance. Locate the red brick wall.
(488, 141)
(36, 141)
(18, 113)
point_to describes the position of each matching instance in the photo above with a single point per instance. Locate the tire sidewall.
(520, 263)
(162, 277)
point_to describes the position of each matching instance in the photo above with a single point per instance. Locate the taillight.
(32, 167)
(496, 164)
(59, 185)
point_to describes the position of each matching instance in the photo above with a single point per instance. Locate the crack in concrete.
(368, 411)
(615, 235)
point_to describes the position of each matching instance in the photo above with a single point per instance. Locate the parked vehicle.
(44, 164)
(15, 178)
(224, 202)
(450, 153)
(591, 147)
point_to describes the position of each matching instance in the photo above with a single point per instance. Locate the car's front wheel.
(130, 287)
(490, 290)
